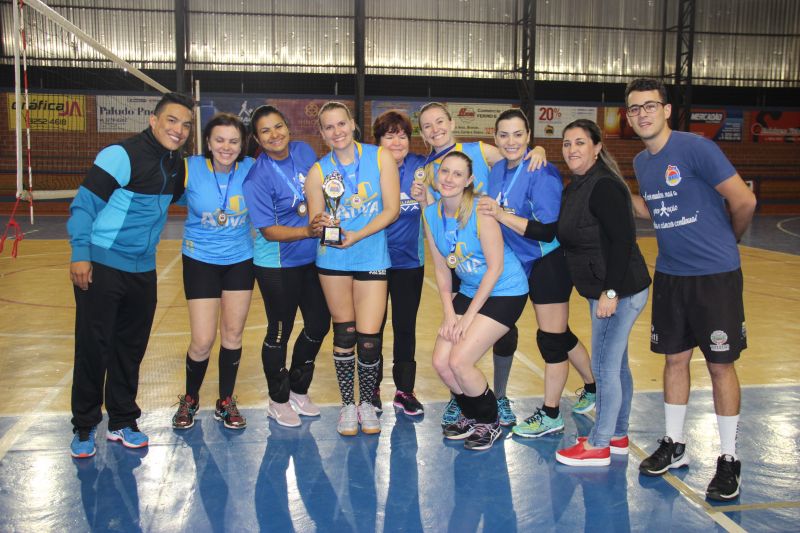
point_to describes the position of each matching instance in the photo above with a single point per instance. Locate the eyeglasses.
(649, 107)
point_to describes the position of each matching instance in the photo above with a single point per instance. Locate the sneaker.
(538, 425)
(348, 420)
(483, 436)
(130, 437)
(187, 408)
(585, 403)
(618, 445)
(82, 445)
(283, 414)
(303, 404)
(368, 418)
(668, 455)
(577, 455)
(408, 403)
(452, 412)
(725, 484)
(504, 413)
(376, 400)
(229, 414)
(462, 428)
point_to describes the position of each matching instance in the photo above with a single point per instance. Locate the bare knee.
(200, 346)
(459, 364)
(721, 371)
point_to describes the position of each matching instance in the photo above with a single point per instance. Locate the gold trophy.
(332, 190)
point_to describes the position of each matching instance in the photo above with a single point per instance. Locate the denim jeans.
(610, 367)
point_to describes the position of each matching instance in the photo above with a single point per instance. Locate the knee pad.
(554, 346)
(369, 348)
(507, 344)
(344, 334)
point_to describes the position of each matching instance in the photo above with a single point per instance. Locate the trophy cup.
(332, 190)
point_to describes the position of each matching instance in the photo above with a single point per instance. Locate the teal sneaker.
(130, 437)
(538, 425)
(504, 413)
(82, 445)
(585, 401)
(451, 414)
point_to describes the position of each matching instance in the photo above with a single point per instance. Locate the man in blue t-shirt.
(700, 207)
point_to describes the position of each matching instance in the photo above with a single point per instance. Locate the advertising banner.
(50, 112)
(409, 108)
(475, 120)
(549, 121)
(775, 126)
(615, 124)
(718, 124)
(122, 113)
(301, 113)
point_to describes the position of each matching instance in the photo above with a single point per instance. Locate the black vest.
(580, 235)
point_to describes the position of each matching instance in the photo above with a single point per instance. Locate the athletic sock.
(502, 369)
(367, 378)
(228, 368)
(345, 364)
(674, 415)
(195, 373)
(728, 429)
(552, 412)
(590, 387)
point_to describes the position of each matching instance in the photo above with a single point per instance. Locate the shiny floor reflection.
(270, 478)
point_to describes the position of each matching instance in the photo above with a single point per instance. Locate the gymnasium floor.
(272, 478)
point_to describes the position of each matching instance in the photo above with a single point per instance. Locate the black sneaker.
(668, 455)
(462, 429)
(725, 484)
(376, 400)
(408, 403)
(483, 436)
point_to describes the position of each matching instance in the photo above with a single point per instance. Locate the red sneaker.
(619, 445)
(577, 455)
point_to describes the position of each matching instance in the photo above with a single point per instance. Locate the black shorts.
(503, 309)
(550, 282)
(705, 311)
(205, 280)
(358, 275)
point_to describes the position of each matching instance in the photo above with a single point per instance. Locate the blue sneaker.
(130, 436)
(451, 414)
(504, 413)
(539, 425)
(585, 401)
(82, 445)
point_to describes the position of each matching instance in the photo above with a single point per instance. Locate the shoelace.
(504, 405)
(581, 393)
(231, 409)
(663, 451)
(83, 434)
(535, 417)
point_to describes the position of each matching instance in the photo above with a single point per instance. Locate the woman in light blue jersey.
(521, 200)
(490, 298)
(359, 186)
(217, 266)
(285, 252)
(436, 127)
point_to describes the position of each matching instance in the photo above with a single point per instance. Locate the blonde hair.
(332, 105)
(468, 196)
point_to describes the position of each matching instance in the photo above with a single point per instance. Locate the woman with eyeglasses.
(597, 231)
(490, 298)
(359, 185)
(516, 198)
(285, 255)
(217, 266)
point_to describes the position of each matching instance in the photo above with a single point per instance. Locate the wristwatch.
(611, 294)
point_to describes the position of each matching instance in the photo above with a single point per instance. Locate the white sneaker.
(368, 418)
(348, 421)
(303, 404)
(283, 414)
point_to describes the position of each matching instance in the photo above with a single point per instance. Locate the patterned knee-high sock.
(367, 378)
(345, 364)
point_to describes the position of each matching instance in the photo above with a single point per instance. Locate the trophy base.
(331, 235)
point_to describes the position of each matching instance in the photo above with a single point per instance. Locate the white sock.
(728, 428)
(674, 415)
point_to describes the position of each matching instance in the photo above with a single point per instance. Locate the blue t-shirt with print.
(404, 235)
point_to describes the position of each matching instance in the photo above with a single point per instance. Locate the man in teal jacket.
(114, 226)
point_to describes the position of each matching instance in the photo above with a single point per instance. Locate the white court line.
(780, 227)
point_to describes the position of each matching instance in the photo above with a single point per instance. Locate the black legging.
(283, 291)
(405, 291)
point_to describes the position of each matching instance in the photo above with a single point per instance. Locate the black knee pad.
(554, 346)
(369, 348)
(507, 344)
(344, 334)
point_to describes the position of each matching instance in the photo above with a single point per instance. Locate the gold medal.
(302, 209)
(452, 260)
(419, 174)
(356, 201)
(221, 217)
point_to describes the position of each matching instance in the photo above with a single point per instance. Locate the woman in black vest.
(598, 234)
